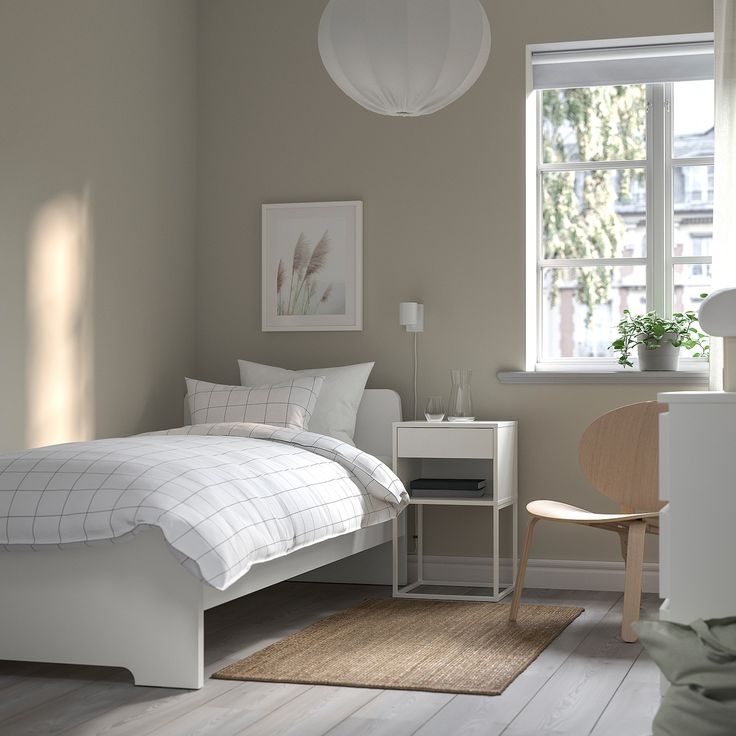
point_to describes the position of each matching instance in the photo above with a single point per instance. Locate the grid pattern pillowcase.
(337, 407)
(289, 404)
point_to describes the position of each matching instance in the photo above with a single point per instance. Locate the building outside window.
(624, 196)
(700, 244)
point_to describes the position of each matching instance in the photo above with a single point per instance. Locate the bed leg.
(176, 663)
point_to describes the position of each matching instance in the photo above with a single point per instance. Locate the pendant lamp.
(404, 57)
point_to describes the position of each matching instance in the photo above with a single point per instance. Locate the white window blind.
(632, 64)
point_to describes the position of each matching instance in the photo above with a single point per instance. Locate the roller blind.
(665, 62)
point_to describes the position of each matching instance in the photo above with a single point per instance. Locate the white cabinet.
(697, 466)
(446, 450)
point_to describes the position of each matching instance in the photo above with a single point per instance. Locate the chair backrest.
(619, 454)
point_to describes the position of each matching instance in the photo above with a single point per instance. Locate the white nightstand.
(455, 450)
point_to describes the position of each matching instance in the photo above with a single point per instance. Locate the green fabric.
(699, 661)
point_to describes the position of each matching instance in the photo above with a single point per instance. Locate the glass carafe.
(460, 405)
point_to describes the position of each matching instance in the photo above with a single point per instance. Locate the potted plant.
(658, 339)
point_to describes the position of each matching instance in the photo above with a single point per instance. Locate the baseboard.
(374, 567)
(557, 574)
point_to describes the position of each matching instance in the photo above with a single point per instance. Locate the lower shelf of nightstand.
(413, 590)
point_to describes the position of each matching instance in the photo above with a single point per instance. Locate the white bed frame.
(133, 605)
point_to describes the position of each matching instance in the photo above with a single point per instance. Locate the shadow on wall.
(60, 362)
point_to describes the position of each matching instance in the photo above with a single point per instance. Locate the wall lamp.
(411, 317)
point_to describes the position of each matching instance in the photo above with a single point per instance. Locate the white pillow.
(338, 402)
(288, 404)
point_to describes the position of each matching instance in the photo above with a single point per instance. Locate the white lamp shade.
(717, 314)
(411, 316)
(404, 57)
(408, 313)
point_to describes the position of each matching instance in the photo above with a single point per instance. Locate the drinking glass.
(435, 411)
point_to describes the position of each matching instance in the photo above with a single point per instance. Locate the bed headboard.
(378, 410)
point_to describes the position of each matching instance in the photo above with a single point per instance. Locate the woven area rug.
(400, 644)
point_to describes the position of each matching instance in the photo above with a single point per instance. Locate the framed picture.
(312, 266)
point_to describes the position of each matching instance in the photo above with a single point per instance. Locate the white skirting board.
(373, 567)
(556, 574)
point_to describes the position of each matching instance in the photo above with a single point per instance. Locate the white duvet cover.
(225, 496)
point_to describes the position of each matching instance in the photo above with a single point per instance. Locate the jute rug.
(399, 644)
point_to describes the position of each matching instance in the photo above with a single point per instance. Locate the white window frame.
(659, 261)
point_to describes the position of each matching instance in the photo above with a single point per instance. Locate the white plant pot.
(664, 358)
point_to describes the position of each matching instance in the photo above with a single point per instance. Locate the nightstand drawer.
(448, 442)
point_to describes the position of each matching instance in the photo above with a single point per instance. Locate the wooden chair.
(619, 456)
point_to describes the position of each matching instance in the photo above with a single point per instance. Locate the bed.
(134, 605)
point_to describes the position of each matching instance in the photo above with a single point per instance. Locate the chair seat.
(565, 512)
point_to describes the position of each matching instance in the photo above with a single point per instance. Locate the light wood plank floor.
(585, 682)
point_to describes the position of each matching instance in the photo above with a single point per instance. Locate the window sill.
(630, 376)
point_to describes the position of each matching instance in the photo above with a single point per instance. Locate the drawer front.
(445, 442)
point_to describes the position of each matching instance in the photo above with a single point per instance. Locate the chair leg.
(632, 585)
(519, 583)
(624, 539)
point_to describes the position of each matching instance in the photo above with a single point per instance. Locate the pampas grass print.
(302, 296)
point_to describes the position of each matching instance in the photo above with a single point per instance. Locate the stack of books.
(447, 487)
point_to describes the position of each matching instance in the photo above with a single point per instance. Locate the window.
(623, 187)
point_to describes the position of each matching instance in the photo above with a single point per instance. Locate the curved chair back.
(619, 454)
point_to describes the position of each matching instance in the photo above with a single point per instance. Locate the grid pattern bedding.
(287, 404)
(225, 496)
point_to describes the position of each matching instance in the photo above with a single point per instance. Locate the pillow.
(288, 404)
(338, 402)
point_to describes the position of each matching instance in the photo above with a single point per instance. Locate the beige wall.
(97, 209)
(98, 200)
(444, 223)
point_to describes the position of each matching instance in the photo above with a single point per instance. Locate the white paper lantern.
(404, 57)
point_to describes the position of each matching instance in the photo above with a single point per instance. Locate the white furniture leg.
(420, 544)
(515, 543)
(395, 556)
(496, 571)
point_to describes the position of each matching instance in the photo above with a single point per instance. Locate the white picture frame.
(312, 266)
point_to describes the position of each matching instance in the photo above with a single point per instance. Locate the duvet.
(225, 496)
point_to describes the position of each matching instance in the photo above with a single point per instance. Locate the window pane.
(691, 280)
(692, 240)
(693, 217)
(573, 329)
(693, 119)
(594, 214)
(692, 188)
(594, 123)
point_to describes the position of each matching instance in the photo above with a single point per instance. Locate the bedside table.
(456, 450)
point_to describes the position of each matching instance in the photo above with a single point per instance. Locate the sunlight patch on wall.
(60, 405)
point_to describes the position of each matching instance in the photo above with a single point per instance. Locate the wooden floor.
(586, 682)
